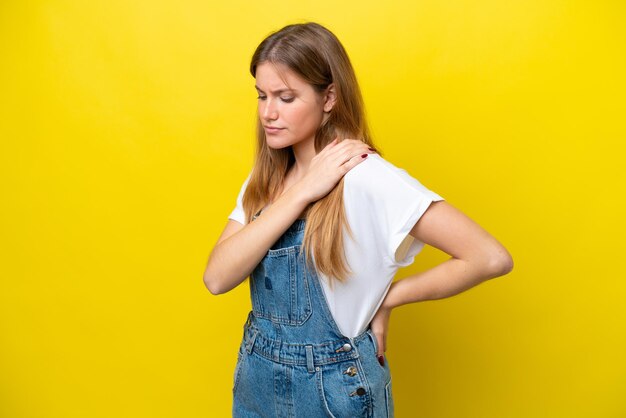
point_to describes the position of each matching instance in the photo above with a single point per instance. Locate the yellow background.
(127, 129)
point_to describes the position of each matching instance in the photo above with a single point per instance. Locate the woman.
(314, 343)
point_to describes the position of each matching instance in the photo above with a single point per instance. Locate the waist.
(309, 354)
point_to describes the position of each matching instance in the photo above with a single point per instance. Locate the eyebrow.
(277, 91)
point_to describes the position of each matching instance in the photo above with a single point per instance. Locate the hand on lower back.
(379, 326)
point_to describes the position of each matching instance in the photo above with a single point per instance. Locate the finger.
(357, 148)
(340, 157)
(356, 151)
(381, 345)
(346, 150)
(353, 162)
(380, 353)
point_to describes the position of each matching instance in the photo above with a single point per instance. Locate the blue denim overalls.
(293, 361)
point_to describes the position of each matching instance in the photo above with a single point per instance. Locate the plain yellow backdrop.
(127, 129)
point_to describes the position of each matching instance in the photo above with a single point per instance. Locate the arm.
(476, 257)
(240, 248)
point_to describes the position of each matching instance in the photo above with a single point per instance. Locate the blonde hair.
(316, 55)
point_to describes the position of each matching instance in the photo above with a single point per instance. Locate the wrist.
(298, 196)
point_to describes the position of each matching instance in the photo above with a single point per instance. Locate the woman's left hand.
(379, 325)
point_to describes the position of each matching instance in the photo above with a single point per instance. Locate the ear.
(329, 98)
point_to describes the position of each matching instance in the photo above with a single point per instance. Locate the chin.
(277, 144)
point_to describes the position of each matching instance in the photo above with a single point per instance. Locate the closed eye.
(284, 99)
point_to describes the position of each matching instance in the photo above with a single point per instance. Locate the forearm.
(449, 278)
(233, 260)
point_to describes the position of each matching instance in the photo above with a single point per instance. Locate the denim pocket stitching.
(320, 387)
(299, 312)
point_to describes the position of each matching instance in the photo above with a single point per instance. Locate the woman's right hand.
(330, 165)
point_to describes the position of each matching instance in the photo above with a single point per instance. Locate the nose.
(269, 111)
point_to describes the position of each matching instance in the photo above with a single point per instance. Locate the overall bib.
(293, 361)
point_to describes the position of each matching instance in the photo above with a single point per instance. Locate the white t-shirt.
(382, 204)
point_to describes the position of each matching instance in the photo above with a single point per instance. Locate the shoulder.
(244, 185)
(378, 175)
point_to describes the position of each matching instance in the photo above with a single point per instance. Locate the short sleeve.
(393, 201)
(238, 213)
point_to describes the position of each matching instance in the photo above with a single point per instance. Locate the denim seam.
(320, 386)
(388, 396)
(368, 394)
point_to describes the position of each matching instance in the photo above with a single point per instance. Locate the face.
(290, 110)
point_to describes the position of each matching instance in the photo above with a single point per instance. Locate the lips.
(272, 129)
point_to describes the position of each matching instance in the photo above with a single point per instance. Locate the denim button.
(351, 371)
(359, 391)
(345, 347)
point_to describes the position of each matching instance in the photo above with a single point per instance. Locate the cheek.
(259, 109)
(308, 117)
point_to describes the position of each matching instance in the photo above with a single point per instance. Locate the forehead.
(273, 77)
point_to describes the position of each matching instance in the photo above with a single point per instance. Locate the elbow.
(501, 263)
(211, 284)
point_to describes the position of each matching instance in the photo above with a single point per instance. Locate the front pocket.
(279, 287)
(338, 390)
(374, 341)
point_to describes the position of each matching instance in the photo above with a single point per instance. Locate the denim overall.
(293, 361)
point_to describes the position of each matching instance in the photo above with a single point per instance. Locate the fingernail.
(364, 155)
(381, 360)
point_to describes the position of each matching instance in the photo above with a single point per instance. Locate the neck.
(303, 152)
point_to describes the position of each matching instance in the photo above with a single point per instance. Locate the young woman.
(322, 224)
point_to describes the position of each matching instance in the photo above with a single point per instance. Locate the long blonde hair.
(316, 55)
